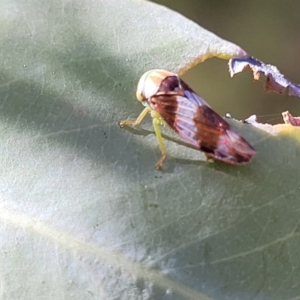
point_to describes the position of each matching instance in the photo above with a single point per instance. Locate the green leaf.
(83, 212)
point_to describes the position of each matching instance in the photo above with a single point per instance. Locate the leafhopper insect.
(170, 100)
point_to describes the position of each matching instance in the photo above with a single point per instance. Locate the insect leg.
(138, 120)
(156, 123)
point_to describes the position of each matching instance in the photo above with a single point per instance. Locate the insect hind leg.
(156, 123)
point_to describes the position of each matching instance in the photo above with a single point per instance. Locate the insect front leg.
(138, 120)
(157, 121)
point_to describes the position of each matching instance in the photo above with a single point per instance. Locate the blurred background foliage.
(268, 30)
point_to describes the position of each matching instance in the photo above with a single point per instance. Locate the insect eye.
(153, 103)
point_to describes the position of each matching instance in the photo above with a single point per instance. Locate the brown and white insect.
(170, 100)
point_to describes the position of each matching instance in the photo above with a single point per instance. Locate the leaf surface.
(275, 81)
(83, 212)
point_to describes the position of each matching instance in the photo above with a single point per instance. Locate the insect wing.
(191, 117)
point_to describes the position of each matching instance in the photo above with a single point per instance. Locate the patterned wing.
(199, 125)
